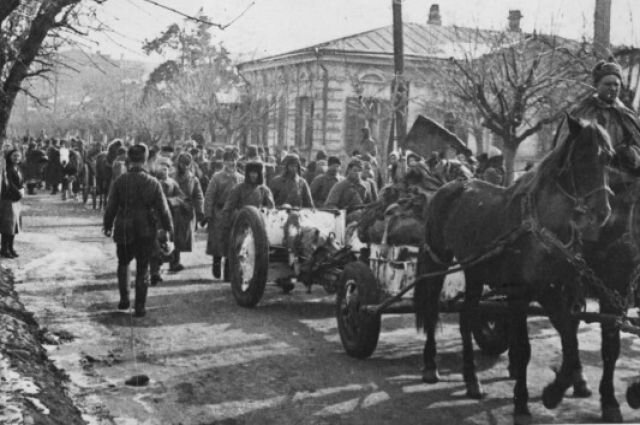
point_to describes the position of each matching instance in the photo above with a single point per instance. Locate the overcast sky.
(274, 26)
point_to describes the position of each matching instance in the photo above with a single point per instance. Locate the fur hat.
(321, 155)
(229, 156)
(333, 160)
(162, 161)
(138, 153)
(603, 69)
(291, 158)
(167, 148)
(254, 166)
(185, 158)
(355, 162)
(252, 151)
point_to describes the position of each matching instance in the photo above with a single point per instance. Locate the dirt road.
(212, 362)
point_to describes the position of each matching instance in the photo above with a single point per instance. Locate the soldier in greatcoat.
(289, 187)
(350, 192)
(220, 186)
(191, 209)
(251, 191)
(134, 203)
(175, 197)
(322, 184)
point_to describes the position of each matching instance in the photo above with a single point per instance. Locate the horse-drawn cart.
(316, 247)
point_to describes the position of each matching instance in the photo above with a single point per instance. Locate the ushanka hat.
(603, 69)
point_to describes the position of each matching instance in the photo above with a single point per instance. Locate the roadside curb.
(32, 389)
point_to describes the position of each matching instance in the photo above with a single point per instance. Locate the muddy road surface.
(212, 362)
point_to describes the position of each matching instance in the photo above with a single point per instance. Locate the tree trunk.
(509, 152)
(478, 135)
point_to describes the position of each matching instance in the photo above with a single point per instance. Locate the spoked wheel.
(491, 334)
(359, 330)
(248, 257)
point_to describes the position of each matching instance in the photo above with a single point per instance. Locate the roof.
(420, 41)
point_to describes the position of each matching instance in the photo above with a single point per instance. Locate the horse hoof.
(551, 396)
(582, 390)
(430, 376)
(522, 416)
(474, 391)
(611, 415)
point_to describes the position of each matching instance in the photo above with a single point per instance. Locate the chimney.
(434, 15)
(514, 20)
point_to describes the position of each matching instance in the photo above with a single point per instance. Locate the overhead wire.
(200, 19)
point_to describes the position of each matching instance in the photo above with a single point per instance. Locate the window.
(371, 112)
(304, 122)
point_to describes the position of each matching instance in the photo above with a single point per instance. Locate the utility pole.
(399, 89)
(602, 29)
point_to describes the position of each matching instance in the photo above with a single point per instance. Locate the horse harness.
(531, 225)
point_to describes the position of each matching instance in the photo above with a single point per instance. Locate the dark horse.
(104, 161)
(615, 258)
(567, 192)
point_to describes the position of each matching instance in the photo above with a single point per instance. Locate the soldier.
(606, 109)
(322, 185)
(289, 188)
(368, 179)
(218, 191)
(134, 199)
(174, 197)
(350, 192)
(190, 210)
(250, 192)
(367, 144)
(314, 167)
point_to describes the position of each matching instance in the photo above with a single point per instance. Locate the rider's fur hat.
(603, 69)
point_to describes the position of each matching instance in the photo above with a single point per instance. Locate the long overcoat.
(242, 195)
(191, 207)
(10, 205)
(220, 186)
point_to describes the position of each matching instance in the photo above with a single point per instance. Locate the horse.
(72, 166)
(614, 257)
(104, 161)
(498, 235)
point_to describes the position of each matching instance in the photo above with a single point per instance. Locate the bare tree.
(30, 33)
(522, 84)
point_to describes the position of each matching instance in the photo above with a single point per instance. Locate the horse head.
(582, 177)
(64, 156)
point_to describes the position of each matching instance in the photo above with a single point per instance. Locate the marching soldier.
(289, 187)
(132, 202)
(220, 186)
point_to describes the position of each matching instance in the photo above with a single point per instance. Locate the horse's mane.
(555, 162)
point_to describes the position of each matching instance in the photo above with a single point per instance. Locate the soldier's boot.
(216, 268)
(10, 247)
(142, 283)
(4, 250)
(226, 276)
(123, 287)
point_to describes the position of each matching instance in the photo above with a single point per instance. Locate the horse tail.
(434, 256)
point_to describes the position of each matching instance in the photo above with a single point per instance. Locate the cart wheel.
(491, 335)
(248, 257)
(85, 184)
(359, 330)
